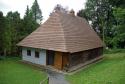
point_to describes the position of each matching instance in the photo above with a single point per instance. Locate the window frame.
(28, 52)
(37, 54)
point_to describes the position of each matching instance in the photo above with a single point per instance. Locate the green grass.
(111, 70)
(13, 72)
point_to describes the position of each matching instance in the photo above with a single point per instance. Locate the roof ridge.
(63, 31)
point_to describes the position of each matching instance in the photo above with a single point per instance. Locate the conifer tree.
(37, 14)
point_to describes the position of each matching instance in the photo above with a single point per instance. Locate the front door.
(50, 57)
(58, 60)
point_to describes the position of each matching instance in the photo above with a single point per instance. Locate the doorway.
(50, 57)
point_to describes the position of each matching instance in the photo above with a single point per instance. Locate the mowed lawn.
(111, 70)
(13, 72)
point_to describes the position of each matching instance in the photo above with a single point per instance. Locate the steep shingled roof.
(63, 32)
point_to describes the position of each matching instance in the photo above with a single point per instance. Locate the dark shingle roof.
(63, 32)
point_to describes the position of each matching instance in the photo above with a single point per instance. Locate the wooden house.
(63, 41)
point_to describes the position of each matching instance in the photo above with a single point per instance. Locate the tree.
(119, 35)
(60, 8)
(107, 17)
(118, 3)
(29, 24)
(35, 10)
(13, 28)
(7, 36)
(11, 32)
(100, 14)
(2, 26)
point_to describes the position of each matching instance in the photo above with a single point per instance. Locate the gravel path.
(56, 78)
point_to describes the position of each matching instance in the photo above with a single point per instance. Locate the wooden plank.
(58, 60)
(65, 59)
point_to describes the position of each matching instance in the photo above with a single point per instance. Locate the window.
(28, 52)
(36, 54)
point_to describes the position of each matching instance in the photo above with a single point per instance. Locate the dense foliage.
(13, 28)
(107, 17)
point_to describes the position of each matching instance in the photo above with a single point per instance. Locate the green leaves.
(99, 12)
(13, 28)
(2, 25)
(29, 23)
(107, 17)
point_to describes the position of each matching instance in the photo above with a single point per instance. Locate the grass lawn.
(111, 70)
(13, 72)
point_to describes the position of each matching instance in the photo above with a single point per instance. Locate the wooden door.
(65, 60)
(58, 60)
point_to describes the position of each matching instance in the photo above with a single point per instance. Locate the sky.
(46, 6)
